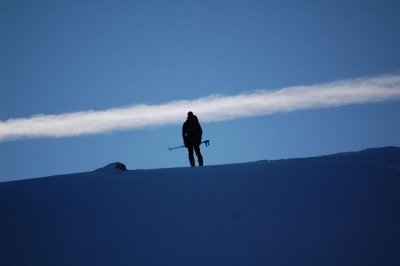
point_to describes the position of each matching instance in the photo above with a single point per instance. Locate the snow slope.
(342, 209)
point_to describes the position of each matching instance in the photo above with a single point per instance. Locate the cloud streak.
(210, 109)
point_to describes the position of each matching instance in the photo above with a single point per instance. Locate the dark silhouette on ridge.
(192, 134)
(120, 166)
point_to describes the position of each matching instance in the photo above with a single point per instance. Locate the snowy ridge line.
(209, 109)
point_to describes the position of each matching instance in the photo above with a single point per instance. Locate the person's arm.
(184, 130)
(200, 132)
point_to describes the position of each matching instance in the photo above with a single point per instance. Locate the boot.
(192, 163)
(200, 161)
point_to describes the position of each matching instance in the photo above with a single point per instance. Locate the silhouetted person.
(192, 133)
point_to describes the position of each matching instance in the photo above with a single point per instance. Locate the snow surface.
(342, 209)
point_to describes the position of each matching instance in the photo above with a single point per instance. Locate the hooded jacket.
(192, 131)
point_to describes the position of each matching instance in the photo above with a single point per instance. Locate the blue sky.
(61, 57)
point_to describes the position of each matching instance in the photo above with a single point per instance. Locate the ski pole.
(207, 142)
(177, 147)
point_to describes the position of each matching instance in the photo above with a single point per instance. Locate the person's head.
(190, 114)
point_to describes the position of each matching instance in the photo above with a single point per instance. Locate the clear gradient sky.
(61, 57)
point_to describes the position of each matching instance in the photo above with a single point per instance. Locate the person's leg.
(191, 157)
(198, 154)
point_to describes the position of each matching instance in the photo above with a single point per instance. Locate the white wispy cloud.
(209, 109)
